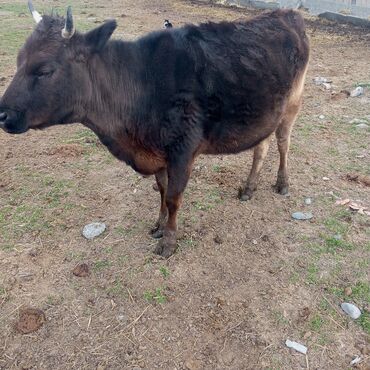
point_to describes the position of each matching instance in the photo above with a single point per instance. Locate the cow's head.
(52, 82)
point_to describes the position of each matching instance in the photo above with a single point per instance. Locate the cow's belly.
(231, 137)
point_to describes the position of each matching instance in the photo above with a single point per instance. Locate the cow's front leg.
(162, 181)
(178, 176)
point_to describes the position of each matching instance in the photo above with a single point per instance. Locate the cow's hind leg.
(162, 180)
(283, 133)
(260, 152)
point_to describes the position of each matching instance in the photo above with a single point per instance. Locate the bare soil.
(245, 278)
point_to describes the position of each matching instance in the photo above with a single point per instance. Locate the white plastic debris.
(356, 360)
(296, 346)
(321, 80)
(93, 230)
(358, 91)
(351, 310)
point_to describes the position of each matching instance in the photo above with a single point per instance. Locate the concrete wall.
(357, 8)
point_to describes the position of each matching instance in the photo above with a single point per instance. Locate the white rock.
(321, 116)
(308, 201)
(326, 85)
(351, 310)
(358, 91)
(362, 126)
(356, 360)
(296, 346)
(302, 216)
(326, 178)
(93, 230)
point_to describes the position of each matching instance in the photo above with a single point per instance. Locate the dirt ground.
(246, 276)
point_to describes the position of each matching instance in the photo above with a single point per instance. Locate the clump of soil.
(30, 320)
(81, 270)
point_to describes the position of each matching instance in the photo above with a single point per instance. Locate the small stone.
(326, 178)
(296, 346)
(321, 116)
(25, 276)
(321, 80)
(93, 230)
(308, 201)
(218, 239)
(307, 335)
(81, 270)
(357, 121)
(348, 291)
(302, 215)
(351, 310)
(30, 320)
(337, 237)
(358, 91)
(192, 364)
(326, 85)
(32, 252)
(362, 126)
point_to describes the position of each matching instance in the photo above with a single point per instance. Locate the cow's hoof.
(282, 189)
(245, 194)
(166, 247)
(156, 232)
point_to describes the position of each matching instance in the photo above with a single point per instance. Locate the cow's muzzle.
(12, 121)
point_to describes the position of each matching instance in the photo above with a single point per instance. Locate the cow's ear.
(98, 37)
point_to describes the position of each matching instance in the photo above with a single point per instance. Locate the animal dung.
(30, 320)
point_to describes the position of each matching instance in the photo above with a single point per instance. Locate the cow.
(160, 101)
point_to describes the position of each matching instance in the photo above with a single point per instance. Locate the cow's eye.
(42, 73)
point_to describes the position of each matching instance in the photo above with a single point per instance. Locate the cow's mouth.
(13, 122)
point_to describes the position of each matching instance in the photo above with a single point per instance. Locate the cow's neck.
(114, 91)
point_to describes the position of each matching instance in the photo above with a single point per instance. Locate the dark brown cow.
(159, 102)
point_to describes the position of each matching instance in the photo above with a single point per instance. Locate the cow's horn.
(68, 30)
(35, 14)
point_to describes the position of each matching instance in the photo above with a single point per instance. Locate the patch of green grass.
(312, 274)
(216, 168)
(2, 291)
(333, 244)
(101, 265)
(164, 271)
(361, 292)
(316, 323)
(123, 231)
(363, 84)
(83, 136)
(280, 319)
(336, 226)
(294, 277)
(364, 322)
(116, 289)
(156, 295)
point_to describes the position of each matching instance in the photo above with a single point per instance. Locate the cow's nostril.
(3, 116)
